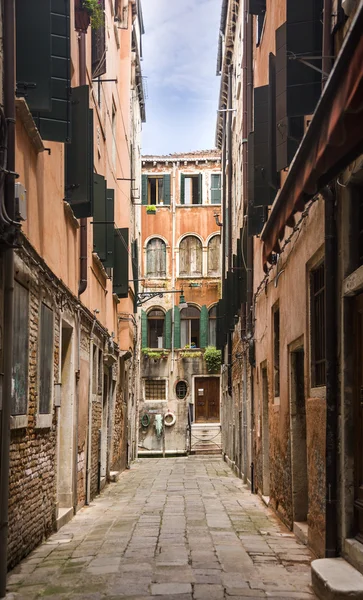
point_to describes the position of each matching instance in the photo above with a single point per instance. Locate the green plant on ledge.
(213, 359)
(190, 354)
(95, 11)
(154, 354)
(151, 209)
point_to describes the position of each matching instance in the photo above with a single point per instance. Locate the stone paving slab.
(169, 529)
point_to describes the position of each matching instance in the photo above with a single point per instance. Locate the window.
(181, 390)
(189, 326)
(215, 190)
(212, 326)
(156, 258)
(214, 255)
(191, 189)
(317, 326)
(99, 48)
(155, 389)
(155, 187)
(155, 321)
(45, 359)
(276, 351)
(19, 392)
(190, 256)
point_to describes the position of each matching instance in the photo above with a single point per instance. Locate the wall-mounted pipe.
(83, 282)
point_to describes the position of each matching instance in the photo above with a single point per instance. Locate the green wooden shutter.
(176, 327)
(200, 188)
(167, 330)
(55, 125)
(121, 263)
(216, 189)
(182, 188)
(143, 329)
(103, 221)
(79, 155)
(144, 189)
(166, 188)
(203, 327)
(135, 271)
(33, 53)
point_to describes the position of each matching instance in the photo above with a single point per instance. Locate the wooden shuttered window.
(298, 86)
(272, 174)
(203, 327)
(220, 331)
(79, 184)
(103, 221)
(99, 49)
(167, 329)
(214, 256)
(20, 368)
(177, 333)
(135, 270)
(144, 189)
(263, 194)
(212, 326)
(166, 189)
(216, 191)
(121, 263)
(190, 256)
(45, 363)
(256, 215)
(161, 192)
(55, 125)
(143, 329)
(191, 188)
(242, 263)
(156, 258)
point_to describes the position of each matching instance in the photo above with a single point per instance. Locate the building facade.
(75, 370)
(180, 264)
(291, 193)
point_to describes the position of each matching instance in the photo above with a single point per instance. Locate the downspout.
(9, 108)
(83, 222)
(173, 271)
(90, 393)
(327, 61)
(331, 372)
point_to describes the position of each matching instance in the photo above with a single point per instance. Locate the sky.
(179, 63)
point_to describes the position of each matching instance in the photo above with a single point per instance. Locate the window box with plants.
(89, 12)
(154, 354)
(151, 209)
(190, 351)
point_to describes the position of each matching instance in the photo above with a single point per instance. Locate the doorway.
(207, 399)
(298, 436)
(104, 426)
(358, 418)
(65, 423)
(265, 434)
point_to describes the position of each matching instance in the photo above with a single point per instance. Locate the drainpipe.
(83, 222)
(331, 372)
(173, 270)
(327, 61)
(8, 8)
(90, 393)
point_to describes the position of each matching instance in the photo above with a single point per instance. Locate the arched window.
(212, 326)
(214, 256)
(155, 328)
(156, 258)
(190, 256)
(189, 326)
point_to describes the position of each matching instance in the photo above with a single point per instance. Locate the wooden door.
(358, 417)
(207, 400)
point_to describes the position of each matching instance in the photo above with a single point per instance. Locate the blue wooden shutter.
(121, 263)
(200, 188)
(33, 53)
(144, 189)
(176, 327)
(182, 188)
(143, 329)
(79, 155)
(203, 327)
(167, 330)
(55, 125)
(166, 188)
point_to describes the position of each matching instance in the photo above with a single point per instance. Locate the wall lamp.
(143, 297)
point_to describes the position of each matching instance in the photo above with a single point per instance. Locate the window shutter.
(263, 193)
(256, 214)
(200, 188)
(79, 155)
(135, 270)
(203, 327)
(167, 330)
(45, 359)
(216, 189)
(55, 125)
(298, 87)
(242, 263)
(121, 263)
(272, 174)
(99, 49)
(144, 189)
(20, 367)
(143, 329)
(256, 7)
(33, 53)
(176, 327)
(103, 221)
(221, 336)
(166, 188)
(182, 188)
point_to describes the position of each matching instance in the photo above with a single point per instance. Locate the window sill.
(197, 205)
(318, 392)
(163, 401)
(18, 421)
(44, 421)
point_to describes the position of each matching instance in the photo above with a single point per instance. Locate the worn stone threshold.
(336, 579)
(64, 516)
(301, 530)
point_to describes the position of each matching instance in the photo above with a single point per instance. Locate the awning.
(333, 140)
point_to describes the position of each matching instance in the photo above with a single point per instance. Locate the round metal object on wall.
(145, 420)
(181, 390)
(169, 419)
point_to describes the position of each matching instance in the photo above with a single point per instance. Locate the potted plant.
(151, 209)
(94, 9)
(82, 18)
(213, 359)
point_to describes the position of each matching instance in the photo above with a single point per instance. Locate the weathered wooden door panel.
(207, 399)
(358, 418)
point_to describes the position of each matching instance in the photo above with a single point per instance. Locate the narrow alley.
(183, 528)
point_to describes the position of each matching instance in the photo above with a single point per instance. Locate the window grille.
(317, 325)
(155, 389)
(181, 390)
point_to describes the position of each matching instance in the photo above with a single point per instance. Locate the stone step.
(336, 579)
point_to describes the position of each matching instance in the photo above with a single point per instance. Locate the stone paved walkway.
(176, 529)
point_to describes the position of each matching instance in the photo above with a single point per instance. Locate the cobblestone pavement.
(176, 529)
